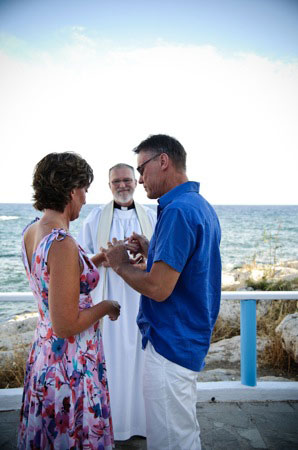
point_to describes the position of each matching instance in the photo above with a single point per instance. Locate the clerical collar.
(124, 208)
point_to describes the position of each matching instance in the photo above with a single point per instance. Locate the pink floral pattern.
(66, 399)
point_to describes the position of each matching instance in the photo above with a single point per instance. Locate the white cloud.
(235, 115)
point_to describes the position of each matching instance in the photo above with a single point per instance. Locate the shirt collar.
(189, 186)
(124, 208)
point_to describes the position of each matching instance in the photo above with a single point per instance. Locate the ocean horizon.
(260, 233)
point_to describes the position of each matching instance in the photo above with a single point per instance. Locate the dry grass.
(222, 330)
(272, 285)
(12, 370)
(274, 356)
(278, 310)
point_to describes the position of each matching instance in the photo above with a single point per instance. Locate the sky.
(99, 76)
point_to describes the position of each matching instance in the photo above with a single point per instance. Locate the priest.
(122, 339)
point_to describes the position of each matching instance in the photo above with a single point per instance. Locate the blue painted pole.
(248, 332)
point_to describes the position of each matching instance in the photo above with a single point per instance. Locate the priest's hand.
(99, 259)
(105, 261)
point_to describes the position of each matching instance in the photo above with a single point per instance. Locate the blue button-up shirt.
(187, 238)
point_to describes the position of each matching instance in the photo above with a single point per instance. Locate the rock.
(273, 378)
(228, 280)
(293, 264)
(236, 278)
(227, 351)
(255, 274)
(230, 311)
(19, 324)
(231, 375)
(16, 336)
(263, 307)
(288, 329)
(219, 375)
(6, 356)
(284, 273)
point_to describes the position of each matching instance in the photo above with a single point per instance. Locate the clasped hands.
(117, 252)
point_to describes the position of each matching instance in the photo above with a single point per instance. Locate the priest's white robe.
(122, 338)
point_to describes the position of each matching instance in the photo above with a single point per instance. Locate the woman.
(65, 400)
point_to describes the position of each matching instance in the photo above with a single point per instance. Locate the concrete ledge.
(234, 391)
(10, 399)
(211, 391)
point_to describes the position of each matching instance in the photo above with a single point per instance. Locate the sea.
(264, 234)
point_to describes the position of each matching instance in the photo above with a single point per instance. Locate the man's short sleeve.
(175, 238)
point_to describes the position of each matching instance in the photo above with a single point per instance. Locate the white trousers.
(170, 393)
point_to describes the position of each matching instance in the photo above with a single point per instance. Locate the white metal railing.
(248, 323)
(16, 296)
(248, 327)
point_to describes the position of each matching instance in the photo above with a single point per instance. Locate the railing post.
(248, 332)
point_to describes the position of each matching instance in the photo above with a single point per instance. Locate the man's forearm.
(140, 280)
(158, 284)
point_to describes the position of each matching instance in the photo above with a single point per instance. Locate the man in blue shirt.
(180, 292)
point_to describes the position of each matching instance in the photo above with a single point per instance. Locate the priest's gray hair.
(122, 166)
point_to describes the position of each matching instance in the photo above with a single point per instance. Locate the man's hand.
(116, 254)
(158, 284)
(137, 243)
(139, 261)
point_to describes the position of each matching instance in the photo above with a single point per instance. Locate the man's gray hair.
(162, 143)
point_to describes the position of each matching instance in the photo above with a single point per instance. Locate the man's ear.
(164, 161)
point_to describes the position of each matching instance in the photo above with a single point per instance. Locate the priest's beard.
(123, 197)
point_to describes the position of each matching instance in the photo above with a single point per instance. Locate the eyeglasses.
(140, 168)
(117, 182)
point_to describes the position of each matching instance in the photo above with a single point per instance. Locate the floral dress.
(66, 400)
